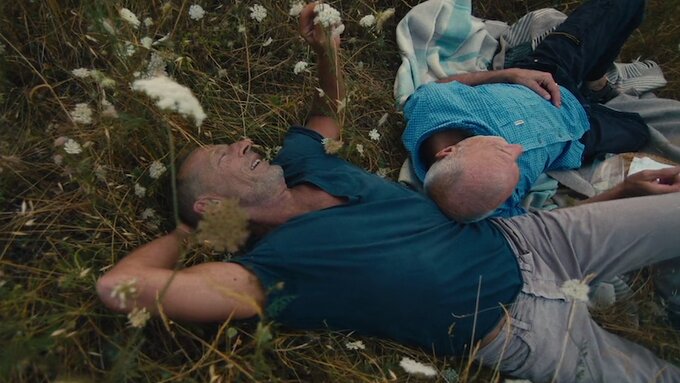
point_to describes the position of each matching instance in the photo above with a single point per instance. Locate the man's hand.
(649, 182)
(540, 82)
(646, 182)
(314, 35)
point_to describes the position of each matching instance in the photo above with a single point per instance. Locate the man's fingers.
(554, 89)
(307, 21)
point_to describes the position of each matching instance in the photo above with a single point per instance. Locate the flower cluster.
(224, 226)
(156, 169)
(358, 345)
(258, 13)
(296, 8)
(374, 135)
(576, 289)
(171, 95)
(196, 12)
(82, 114)
(416, 368)
(138, 317)
(124, 291)
(71, 146)
(329, 18)
(367, 21)
(300, 67)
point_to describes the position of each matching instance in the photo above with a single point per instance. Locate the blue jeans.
(582, 49)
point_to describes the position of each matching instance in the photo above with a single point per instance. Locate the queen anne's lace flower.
(72, 147)
(171, 95)
(129, 17)
(300, 67)
(358, 345)
(416, 368)
(138, 317)
(81, 72)
(576, 289)
(329, 17)
(148, 213)
(82, 114)
(196, 12)
(146, 42)
(374, 135)
(124, 291)
(360, 149)
(296, 8)
(156, 169)
(367, 21)
(258, 13)
(140, 191)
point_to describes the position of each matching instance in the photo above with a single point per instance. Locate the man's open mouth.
(255, 163)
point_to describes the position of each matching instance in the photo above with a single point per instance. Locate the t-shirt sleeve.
(299, 143)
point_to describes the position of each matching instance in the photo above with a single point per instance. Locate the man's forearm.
(478, 78)
(163, 252)
(330, 82)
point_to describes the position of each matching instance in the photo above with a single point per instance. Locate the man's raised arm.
(323, 116)
(213, 291)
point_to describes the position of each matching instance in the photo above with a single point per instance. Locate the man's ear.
(444, 152)
(202, 204)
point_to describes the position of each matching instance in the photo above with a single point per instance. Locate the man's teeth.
(255, 163)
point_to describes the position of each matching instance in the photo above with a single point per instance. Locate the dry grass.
(62, 225)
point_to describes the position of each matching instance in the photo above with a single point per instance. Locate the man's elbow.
(106, 285)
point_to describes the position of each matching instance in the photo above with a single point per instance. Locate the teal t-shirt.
(387, 263)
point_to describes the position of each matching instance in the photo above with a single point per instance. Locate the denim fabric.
(549, 335)
(582, 49)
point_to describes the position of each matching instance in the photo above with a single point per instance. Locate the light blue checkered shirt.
(549, 135)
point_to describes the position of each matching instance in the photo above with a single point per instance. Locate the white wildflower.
(326, 15)
(140, 191)
(374, 135)
(367, 21)
(296, 8)
(124, 291)
(81, 72)
(576, 289)
(416, 368)
(58, 159)
(82, 114)
(146, 42)
(129, 17)
(72, 147)
(258, 13)
(382, 172)
(156, 169)
(148, 213)
(148, 22)
(337, 30)
(300, 67)
(383, 119)
(171, 95)
(196, 12)
(129, 49)
(360, 149)
(138, 318)
(383, 17)
(267, 42)
(358, 345)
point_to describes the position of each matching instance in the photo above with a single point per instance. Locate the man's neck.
(439, 141)
(296, 201)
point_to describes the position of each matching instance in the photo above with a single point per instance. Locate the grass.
(62, 225)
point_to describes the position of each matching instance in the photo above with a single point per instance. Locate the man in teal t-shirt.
(347, 250)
